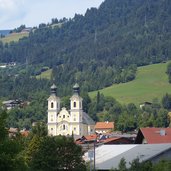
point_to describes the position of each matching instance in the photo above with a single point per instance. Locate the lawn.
(151, 82)
(45, 74)
(14, 37)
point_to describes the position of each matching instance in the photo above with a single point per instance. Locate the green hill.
(46, 74)
(14, 37)
(151, 82)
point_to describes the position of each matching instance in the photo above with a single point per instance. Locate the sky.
(14, 13)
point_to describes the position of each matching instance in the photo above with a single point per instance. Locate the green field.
(151, 82)
(14, 37)
(45, 74)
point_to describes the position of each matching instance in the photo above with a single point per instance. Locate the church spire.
(76, 89)
(53, 89)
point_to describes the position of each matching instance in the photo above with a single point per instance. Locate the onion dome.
(76, 89)
(53, 89)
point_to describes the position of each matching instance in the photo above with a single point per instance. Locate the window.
(51, 129)
(63, 116)
(57, 105)
(51, 119)
(52, 105)
(63, 127)
(74, 119)
(74, 129)
(74, 104)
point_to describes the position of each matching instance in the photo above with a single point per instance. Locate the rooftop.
(154, 135)
(109, 156)
(104, 125)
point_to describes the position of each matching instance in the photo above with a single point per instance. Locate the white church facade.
(67, 122)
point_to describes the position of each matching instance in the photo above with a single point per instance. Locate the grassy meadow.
(14, 37)
(45, 74)
(151, 82)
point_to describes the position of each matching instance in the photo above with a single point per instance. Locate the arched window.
(52, 105)
(63, 127)
(74, 104)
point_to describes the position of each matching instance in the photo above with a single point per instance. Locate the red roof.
(104, 125)
(157, 135)
(25, 133)
(91, 137)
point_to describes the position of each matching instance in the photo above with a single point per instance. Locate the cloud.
(10, 12)
(13, 13)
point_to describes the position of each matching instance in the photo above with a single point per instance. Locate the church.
(67, 122)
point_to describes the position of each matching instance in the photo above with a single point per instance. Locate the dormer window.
(52, 105)
(74, 104)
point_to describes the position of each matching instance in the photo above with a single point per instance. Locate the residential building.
(104, 127)
(153, 136)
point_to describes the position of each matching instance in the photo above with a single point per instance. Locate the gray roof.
(109, 156)
(87, 119)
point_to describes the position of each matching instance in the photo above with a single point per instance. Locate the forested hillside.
(98, 49)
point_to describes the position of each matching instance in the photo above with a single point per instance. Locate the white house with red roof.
(104, 127)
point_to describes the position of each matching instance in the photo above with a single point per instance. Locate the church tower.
(76, 111)
(53, 110)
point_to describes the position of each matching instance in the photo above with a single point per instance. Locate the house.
(153, 136)
(117, 140)
(10, 104)
(27, 30)
(12, 132)
(104, 127)
(25, 133)
(68, 122)
(145, 104)
(109, 156)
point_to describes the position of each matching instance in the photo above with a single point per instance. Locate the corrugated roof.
(109, 156)
(154, 135)
(104, 125)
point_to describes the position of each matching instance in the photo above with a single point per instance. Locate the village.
(103, 146)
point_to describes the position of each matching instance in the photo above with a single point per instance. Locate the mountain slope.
(95, 49)
(151, 82)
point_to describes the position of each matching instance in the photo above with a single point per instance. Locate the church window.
(63, 127)
(51, 119)
(63, 116)
(57, 105)
(74, 104)
(52, 105)
(51, 129)
(74, 119)
(74, 129)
